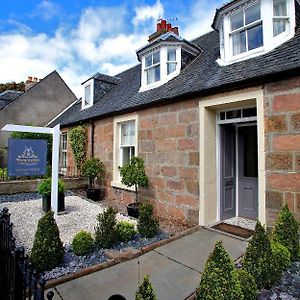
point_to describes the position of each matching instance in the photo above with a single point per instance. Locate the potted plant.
(133, 174)
(44, 188)
(92, 169)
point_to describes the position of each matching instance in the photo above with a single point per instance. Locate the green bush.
(82, 243)
(47, 251)
(91, 169)
(220, 278)
(286, 232)
(125, 231)
(281, 260)
(78, 141)
(147, 224)
(258, 258)
(248, 285)
(105, 232)
(44, 187)
(145, 291)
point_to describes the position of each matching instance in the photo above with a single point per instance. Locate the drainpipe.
(92, 138)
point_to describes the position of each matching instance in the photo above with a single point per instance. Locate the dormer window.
(246, 30)
(280, 17)
(88, 94)
(250, 28)
(152, 67)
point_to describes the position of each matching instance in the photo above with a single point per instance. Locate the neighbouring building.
(41, 102)
(216, 119)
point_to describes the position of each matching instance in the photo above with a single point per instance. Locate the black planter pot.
(93, 194)
(46, 202)
(133, 210)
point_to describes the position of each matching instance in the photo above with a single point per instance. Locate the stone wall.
(282, 127)
(168, 141)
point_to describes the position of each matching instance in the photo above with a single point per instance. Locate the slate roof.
(104, 77)
(8, 96)
(203, 76)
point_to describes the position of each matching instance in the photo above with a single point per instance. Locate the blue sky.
(80, 38)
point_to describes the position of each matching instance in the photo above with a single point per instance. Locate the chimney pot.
(175, 30)
(163, 24)
(169, 27)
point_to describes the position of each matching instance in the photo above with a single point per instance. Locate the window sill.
(120, 185)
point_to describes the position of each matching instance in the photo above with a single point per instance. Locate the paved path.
(175, 270)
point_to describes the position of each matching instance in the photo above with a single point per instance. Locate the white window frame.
(117, 157)
(172, 61)
(269, 42)
(164, 77)
(152, 66)
(91, 100)
(63, 166)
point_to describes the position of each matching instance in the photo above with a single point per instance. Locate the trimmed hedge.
(47, 251)
(258, 258)
(82, 243)
(105, 232)
(220, 278)
(145, 291)
(286, 232)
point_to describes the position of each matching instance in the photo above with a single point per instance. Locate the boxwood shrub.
(258, 258)
(47, 251)
(125, 231)
(82, 243)
(248, 285)
(145, 291)
(105, 232)
(286, 232)
(220, 279)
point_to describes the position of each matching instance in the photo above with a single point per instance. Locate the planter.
(133, 210)
(46, 202)
(93, 194)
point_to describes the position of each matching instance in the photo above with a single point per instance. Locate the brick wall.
(282, 127)
(168, 141)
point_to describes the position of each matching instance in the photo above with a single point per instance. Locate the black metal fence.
(18, 279)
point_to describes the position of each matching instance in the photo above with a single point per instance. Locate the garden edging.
(121, 258)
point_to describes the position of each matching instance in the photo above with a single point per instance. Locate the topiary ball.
(82, 243)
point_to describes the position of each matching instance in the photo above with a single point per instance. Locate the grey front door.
(227, 169)
(247, 172)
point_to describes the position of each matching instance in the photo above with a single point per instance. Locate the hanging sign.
(27, 157)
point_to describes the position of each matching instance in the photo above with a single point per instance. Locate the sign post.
(55, 155)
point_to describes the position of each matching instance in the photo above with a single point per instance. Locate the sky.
(81, 37)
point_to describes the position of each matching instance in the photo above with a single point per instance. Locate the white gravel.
(81, 214)
(242, 222)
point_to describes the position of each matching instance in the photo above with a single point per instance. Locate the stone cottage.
(216, 119)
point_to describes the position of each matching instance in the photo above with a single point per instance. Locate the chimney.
(30, 82)
(161, 28)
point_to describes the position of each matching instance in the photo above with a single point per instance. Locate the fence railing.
(18, 278)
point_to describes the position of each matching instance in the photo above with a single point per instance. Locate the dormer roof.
(104, 78)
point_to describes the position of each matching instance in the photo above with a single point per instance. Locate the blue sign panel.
(27, 157)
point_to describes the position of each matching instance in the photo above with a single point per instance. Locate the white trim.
(116, 182)
(91, 101)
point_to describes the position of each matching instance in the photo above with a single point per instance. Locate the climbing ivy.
(78, 140)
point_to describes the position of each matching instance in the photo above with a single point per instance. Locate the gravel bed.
(80, 214)
(287, 289)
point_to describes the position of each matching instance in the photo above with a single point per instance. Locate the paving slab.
(123, 279)
(194, 249)
(175, 270)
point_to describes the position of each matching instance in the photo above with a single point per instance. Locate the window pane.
(125, 155)
(222, 115)
(171, 54)
(128, 133)
(157, 73)
(279, 26)
(156, 58)
(233, 114)
(149, 61)
(171, 67)
(249, 112)
(252, 13)
(279, 8)
(150, 76)
(239, 42)
(87, 94)
(237, 21)
(255, 37)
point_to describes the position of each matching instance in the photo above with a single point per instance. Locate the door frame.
(239, 122)
(208, 181)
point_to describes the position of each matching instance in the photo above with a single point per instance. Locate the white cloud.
(46, 10)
